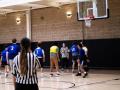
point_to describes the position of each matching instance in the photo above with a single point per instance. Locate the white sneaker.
(62, 69)
(6, 75)
(58, 73)
(51, 75)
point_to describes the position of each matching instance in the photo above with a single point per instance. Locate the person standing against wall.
(54, 58)
(64, 51)
(24, 68)
(39, 52)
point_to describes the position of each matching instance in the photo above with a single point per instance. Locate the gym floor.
(97, 79)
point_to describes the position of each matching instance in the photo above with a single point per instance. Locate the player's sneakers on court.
(62, 69)
(58, 73)
(51, 75)
(6, 75)
(78, 74)
(85, 74)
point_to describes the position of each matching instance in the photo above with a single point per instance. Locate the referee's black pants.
(26, 86)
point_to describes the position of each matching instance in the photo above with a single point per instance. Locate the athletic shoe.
(6, 75)
(62, 69)
(85, 75)
(78, 74)
(51, 74)
(58, 73)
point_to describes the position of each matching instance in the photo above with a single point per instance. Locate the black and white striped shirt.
(31, 75)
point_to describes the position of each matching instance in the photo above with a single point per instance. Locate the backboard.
(92, 8)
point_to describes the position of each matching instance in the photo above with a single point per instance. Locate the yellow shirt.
(54, 49)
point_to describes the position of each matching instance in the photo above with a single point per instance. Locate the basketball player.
(39, 52)
(13, 50)
(4, 61)
(75, 52)
(64, 51)
(81, 62)
(54, 58)
(87, 61)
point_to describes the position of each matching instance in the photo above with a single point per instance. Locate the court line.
(72, 84)
(101, 82)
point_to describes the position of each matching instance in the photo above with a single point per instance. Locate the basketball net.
(88, 20)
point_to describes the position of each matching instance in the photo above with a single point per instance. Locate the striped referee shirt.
(31, 75)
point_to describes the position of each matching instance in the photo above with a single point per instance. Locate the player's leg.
(6, 70)
(82, 69)
(41, 63)
(51, 65)
(10, 64)
(66, 64)
(62, 64)
(56, 65)
(4, 64)
(86, 64)
(73, 64)
(78, 64)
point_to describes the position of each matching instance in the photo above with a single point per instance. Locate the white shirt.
(85, 49)
(64, 52)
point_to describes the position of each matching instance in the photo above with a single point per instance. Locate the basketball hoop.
(88, 20)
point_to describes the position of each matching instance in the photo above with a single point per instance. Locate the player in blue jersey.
(13, 50)
(4, 61)
(82, 62)
(74, 51)
(39, 52)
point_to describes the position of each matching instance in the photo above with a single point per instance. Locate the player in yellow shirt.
(54, 58)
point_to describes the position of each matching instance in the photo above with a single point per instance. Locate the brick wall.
(55, 25)
(9, 29)
(51, 24)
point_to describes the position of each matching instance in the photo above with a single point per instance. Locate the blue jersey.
(13, 50)
(81, 53)
(39, 52)
(3, 55)
(74, 50)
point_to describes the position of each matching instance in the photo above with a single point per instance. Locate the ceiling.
(8, 6)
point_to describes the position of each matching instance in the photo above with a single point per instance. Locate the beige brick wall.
(9, 29)
(51, 24)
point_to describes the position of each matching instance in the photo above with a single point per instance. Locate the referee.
(24, 68)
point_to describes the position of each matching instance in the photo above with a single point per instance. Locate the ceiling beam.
(33, 5)
(6, 3)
